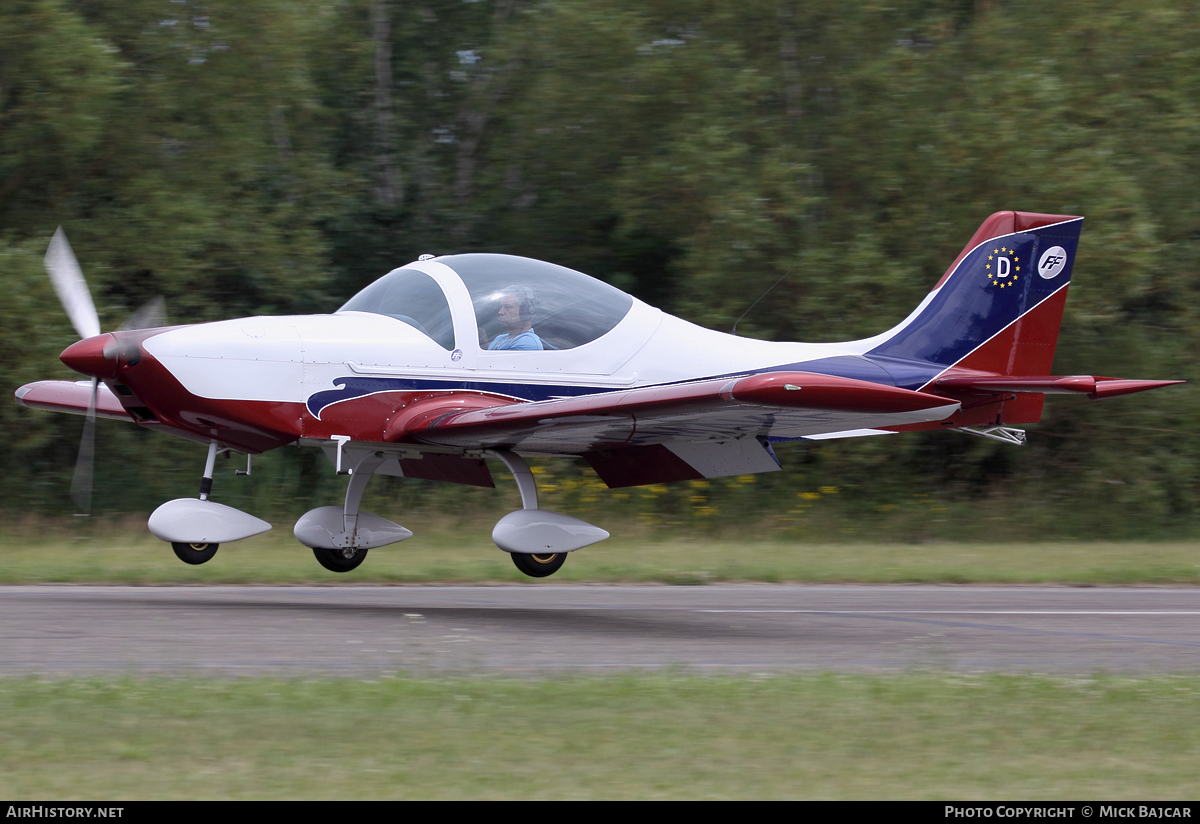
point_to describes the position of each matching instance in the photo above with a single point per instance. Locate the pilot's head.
(517, 305)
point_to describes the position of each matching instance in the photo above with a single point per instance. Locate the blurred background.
(274, 157)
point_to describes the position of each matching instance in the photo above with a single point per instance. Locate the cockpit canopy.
(569, 308)
(412, 297)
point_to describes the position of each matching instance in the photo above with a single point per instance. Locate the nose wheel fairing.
(198, 522)
(192, 521)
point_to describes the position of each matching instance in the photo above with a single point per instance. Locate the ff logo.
(1053, 261)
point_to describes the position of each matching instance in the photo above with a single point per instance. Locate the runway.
(538, 629)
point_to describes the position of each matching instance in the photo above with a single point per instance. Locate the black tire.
(194, 554)
(539, 566)
(335, 560)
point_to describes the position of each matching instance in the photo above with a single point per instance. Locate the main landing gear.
(538, 540)
(340, 536)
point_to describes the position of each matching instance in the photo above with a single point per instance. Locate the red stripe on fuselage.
(251, 426)
(258, 426)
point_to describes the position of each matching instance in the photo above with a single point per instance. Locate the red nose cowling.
(87, 357)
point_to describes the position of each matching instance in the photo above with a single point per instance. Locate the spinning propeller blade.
(81, 484)
(150, 315)
(72, 289)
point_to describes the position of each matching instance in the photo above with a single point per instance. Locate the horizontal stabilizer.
(1093, 387)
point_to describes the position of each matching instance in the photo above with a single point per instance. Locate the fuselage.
(262, 382)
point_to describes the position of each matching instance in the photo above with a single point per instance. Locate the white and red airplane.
(450, 359)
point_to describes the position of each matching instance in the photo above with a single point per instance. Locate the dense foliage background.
(274, 157)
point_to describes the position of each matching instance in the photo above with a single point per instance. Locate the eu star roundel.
(1003, 266)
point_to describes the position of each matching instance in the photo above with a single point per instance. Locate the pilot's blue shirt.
(526, 340)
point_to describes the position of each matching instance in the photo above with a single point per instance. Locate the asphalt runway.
(539, 629)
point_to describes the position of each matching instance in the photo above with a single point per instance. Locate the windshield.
(522, 303)
(412, 297)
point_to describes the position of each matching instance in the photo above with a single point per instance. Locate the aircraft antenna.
(760, 297)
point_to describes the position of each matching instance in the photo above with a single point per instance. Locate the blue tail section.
(1015, 262)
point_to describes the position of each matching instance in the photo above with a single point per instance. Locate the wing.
(72, 397)
(682, 431)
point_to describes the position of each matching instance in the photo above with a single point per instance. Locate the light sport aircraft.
(401, 381)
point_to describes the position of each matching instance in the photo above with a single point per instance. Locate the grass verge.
(122, 553)
(915, 736)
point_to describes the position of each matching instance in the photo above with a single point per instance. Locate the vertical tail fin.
(998, 308)
(996, 311)
(986, 333)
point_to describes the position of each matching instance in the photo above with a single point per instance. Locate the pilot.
(517, 305)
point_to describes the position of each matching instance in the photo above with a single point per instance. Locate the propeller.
(67, 278)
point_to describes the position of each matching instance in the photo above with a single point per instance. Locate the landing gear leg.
(522, 474)
(357, 486)
(200, 553)
(206, 480)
